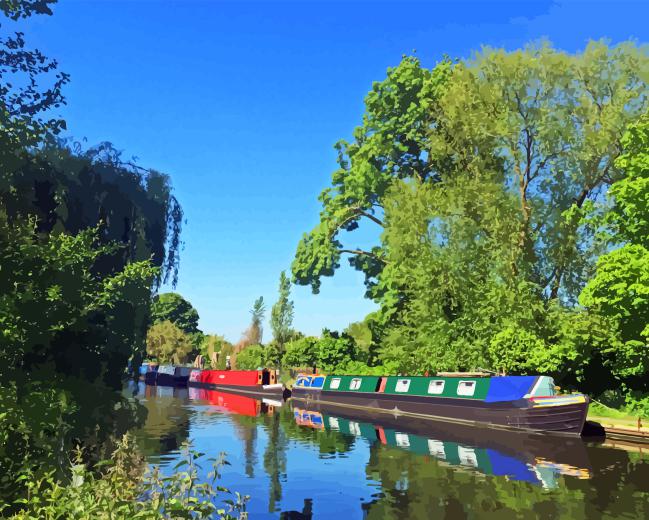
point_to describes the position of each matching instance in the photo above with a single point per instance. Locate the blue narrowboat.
(167, 375)
(526, 403)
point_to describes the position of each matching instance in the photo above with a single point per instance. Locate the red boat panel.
(230, 377)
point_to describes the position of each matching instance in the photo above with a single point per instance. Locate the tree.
(281, 317)
(393, 143)
(620, 288)
(255, 332)
(301, 353)
(251, 358)
(480, 173)
(334, 350)
(176, 309)
(168, 343)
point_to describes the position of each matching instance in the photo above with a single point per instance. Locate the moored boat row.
(524, 403)
(260, 383)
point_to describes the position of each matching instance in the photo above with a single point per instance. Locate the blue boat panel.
(502, 464)
(509, 388)
(317, 382)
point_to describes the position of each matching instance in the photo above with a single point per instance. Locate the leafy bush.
(167, 343)
(125, 490)
(301, 353)
(251, 358)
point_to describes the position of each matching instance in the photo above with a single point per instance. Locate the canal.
(300, 464)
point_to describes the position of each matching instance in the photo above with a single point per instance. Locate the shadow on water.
(324, 462)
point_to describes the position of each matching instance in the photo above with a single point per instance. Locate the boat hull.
(259, 391)
(521, 414)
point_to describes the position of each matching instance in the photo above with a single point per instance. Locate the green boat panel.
(421, 385)
(352, 383)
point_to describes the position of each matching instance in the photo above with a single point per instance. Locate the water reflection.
(299, 462)
(518, 456)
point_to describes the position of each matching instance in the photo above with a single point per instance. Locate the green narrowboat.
(524, 403)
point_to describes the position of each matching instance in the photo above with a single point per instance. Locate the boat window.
(317, 382)
(466, 388)
(355, 383)
(436, 387)
(543, 387)
(402, 385)
(335, 383)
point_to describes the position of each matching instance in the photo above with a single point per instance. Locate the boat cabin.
(488, 389)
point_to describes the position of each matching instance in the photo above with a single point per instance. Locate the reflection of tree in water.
(167, 422)
(275, 458)
(305, 514)
(246, 428)
(417, 486)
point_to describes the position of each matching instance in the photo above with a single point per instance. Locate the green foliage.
(124, 491)
(251, 358)
(484, 176)
(167, 343)
(391, 144)
(281, 315)
(301, 353)
(334, 350)
(510, 350)
(619, 291)
(212, 347)
(84, 237)
(176, 309)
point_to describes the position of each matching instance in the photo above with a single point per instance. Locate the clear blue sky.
(241, 104)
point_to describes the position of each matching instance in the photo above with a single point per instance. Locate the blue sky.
(242, 102)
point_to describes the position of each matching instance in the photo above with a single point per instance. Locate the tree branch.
(362, 252)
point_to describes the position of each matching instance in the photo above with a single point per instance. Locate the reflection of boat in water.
(165, 391)
(520, 456)
(525, 403)
(232, 403)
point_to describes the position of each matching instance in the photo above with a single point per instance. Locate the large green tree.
(484, 250)
(392, 144)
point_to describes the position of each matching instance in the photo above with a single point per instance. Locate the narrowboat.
(516, 455)
(256, 383)
(167, 375)
(524, 403)
(151, 374)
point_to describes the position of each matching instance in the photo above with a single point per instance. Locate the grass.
(611, 417)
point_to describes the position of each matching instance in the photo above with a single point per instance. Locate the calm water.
(298, 463)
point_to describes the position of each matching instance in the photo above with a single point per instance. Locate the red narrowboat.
(260, 383)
